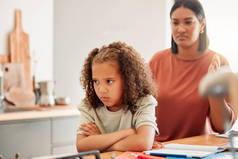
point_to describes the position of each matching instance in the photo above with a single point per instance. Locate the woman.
(181, 112)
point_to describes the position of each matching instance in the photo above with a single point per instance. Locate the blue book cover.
(222, 155)
(185, 151)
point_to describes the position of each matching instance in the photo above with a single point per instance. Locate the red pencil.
(141, 157)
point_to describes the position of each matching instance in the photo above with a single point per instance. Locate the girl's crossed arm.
(93, 139)
(140, 141)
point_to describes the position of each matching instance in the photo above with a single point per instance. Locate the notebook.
(183, 150)
(214, 156)
(226, 155)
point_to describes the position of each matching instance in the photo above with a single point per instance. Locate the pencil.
(141, 157)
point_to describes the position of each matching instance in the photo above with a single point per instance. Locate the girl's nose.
(102, 89)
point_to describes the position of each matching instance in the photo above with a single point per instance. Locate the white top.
(108, 121)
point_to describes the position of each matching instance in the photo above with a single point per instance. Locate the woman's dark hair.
(197, 8)
(135, 73)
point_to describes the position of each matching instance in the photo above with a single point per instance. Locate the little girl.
(118, 112)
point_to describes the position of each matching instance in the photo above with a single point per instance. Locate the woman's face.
(185, 27)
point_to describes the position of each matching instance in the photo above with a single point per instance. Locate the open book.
(232, 134)
(183, 150)
(233, 128)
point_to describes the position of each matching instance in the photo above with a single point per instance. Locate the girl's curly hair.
(134, 71)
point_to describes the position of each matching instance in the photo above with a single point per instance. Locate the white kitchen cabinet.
(64, 134)
(38, 137)
(26, 137)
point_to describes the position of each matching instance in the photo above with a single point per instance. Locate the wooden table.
(211, 140)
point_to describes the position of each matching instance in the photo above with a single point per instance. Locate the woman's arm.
(219, 74)
(141, 141)
(101, 141)
(220, 114)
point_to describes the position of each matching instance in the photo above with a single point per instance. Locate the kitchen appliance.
(47, 93)
(62, 100)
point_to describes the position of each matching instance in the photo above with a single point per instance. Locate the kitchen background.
(62, 32)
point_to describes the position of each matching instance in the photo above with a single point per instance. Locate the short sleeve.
(86, 115)
(145, 115)
(217, 62)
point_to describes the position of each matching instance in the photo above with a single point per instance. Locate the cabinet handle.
(80, 155)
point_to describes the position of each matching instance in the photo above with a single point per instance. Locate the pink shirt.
(181, 112)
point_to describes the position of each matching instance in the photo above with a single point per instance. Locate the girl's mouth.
(104, 99)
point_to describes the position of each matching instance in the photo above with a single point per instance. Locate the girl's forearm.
(141, 141)
(102, 141)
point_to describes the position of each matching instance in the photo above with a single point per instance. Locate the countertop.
(40, 112)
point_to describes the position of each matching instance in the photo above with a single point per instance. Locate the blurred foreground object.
(221, 83)
(233, 90)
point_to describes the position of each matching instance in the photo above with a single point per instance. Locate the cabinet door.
(28, 137)
(64, 134)
(64, 149)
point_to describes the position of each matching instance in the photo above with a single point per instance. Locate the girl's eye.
(95, 81)
(175, 23)
(188, 22)
(109, 81)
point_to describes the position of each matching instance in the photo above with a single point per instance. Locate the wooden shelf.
(39, 112)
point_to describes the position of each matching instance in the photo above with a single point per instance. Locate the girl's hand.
(157, 145)
(90, 129)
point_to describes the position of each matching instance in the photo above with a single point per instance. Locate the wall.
(222, 24)
(37, 20)
(81, 25)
